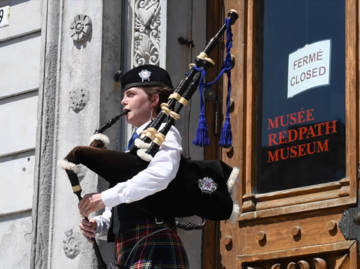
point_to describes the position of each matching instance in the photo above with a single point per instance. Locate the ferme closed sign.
(4, 16)
(309, 67)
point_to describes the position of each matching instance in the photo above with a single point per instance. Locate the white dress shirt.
(156, 177)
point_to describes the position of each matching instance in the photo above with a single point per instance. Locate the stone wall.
(20, 39)
(82, 44)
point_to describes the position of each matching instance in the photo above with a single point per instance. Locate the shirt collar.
(142, 127)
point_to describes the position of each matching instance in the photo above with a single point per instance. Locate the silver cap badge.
(145, 75)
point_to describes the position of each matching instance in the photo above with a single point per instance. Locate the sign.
(306, 137)
(4, 16)
(309, 67)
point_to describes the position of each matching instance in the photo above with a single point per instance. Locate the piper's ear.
(155, 100)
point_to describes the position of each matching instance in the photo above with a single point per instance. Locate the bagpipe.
(201, 188)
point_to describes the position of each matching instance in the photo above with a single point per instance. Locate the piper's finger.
(86, 226)
(81, 209)
(81, 203)
(88, 209)
(88, 234)
(85, 222)
(84, 209)
(84, 201)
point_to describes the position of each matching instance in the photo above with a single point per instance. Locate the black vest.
(123, 217)
(126, 216)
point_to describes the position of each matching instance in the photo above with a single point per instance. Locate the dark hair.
(163, 92)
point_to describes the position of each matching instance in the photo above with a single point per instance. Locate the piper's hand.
(88, 229)
(90, 203)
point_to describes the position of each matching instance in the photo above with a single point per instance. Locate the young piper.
(142, 240)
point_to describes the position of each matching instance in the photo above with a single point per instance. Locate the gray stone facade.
(58, 88)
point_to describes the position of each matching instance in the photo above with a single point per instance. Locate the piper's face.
(136, 100)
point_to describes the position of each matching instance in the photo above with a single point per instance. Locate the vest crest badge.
(207, 185)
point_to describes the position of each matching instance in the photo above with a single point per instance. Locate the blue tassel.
(202, 135)
(226, 134)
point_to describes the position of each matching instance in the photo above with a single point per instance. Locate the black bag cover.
(199, 187)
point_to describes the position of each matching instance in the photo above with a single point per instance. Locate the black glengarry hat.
(145, 76)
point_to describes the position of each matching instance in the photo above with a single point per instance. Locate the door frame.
(343, 192)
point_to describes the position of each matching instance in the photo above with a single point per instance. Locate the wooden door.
(298, 195)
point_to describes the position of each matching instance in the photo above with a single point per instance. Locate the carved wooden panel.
(300, 231)
(340, 261)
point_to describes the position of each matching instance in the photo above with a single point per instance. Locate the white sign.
(4, 16)
(309, 67)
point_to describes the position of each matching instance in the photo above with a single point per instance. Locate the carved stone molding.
(147, 32)
(72, 244)
(78, 99)
(81, 27)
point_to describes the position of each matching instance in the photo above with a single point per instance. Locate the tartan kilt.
(161, 250)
